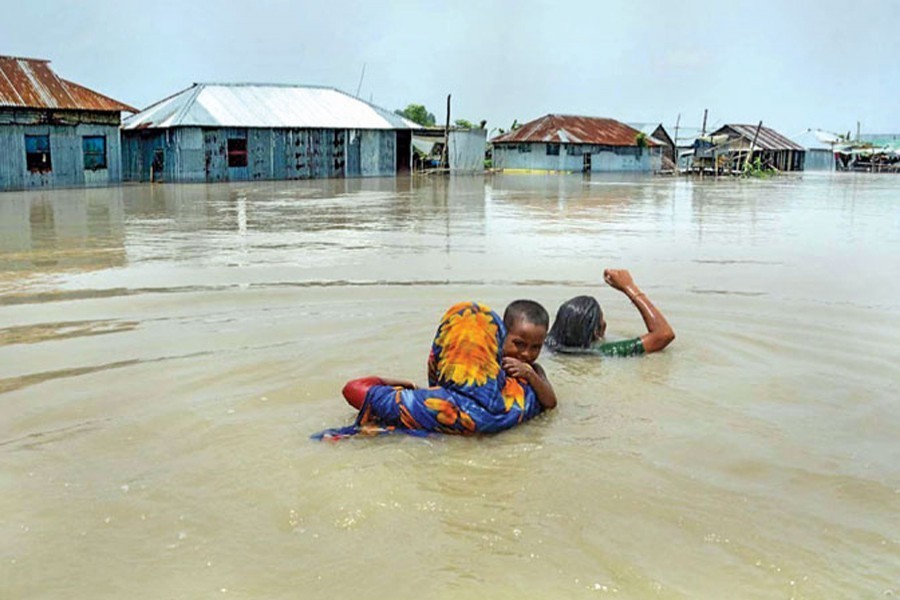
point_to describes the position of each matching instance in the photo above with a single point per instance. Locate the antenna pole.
(361, 76)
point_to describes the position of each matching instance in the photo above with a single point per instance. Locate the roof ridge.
(28, 58)
(262, 84)
(194, 91)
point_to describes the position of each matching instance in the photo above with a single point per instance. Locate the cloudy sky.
(794, 64)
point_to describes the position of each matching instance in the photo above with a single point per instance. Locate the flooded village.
(214, 216)
(57, 133)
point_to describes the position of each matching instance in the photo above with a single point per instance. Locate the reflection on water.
(43, 231)
(166, 350)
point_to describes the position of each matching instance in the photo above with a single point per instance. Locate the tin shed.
(567, 143)
(54, 132)
(239, 131)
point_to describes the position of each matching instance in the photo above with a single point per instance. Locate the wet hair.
(528, 311)
(577, 322)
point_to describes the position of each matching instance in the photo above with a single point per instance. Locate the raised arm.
(659, 332)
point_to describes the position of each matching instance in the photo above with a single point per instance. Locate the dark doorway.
(586, 162)
(158, 165)
(404, 151)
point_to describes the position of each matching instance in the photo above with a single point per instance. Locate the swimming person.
(469, 391)
(579, 327)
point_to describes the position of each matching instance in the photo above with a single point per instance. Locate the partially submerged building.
(820, 149)
(464, 152)
(54, 132)
(657, 132)
(567, 143)
(726, 149)
(239, 132)
(870, 153)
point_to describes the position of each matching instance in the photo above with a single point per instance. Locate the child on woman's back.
(527, 323)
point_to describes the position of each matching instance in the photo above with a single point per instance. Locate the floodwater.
(166, 351)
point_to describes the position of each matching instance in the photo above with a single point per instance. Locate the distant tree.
(464, 124)
(417, 113)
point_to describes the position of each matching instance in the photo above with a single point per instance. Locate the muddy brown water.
(165, 352)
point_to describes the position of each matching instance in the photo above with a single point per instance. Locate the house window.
(524, 148)
(37, 153)
(574, 150)
(552, 149)
(94, 149)
(237, 152)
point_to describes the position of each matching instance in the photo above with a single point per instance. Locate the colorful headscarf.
(469, 392)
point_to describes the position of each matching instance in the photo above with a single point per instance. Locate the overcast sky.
(795, 64)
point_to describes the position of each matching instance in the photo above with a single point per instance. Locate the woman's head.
(579, 322)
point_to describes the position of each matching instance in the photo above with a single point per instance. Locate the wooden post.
(445, 155)
(703, 131)
(752, 144)
(675, 141)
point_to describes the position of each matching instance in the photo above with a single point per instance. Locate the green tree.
(464, 124)
(417, 113)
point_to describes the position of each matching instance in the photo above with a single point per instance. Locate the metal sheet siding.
(465, 151)
(603, 158)
(819, 159)
(272, 154)
(66, 155)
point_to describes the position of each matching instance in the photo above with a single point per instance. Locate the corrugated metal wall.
(465, 150)
(571, 158)
(819, 159)
(191, 154)
(66, 150)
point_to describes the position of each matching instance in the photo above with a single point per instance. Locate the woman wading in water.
(579, 327)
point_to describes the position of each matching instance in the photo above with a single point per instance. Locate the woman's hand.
(403, 383)
(659, 332)
(618, 279)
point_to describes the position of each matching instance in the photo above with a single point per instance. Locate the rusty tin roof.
(570, 129)
(31, 83)
(768, 139)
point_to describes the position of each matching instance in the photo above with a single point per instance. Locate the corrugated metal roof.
(265, 106)
(31, 83)
(570, 129)
(768, 139)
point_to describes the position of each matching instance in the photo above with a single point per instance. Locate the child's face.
(524, 341)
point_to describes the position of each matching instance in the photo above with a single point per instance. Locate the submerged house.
(820, 149)
(54, 132)
(870, 153)
(658, 133)
(726, 149)
(238, 132)
(569, 143)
